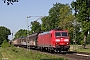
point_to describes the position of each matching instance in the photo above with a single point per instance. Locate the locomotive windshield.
(59, 34)
(64, 33)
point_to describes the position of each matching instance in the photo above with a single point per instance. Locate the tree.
(46, 24)
(4, 32)
(35, 26)
(66, 19)
(60, 15)
(54, 14)
(21, 33)
(88, 38)
(10, 1)
(52, 21)
(82, 8)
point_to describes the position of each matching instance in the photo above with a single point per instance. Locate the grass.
(79, 48)
(84, 50)
(0, 56)
(12, 53)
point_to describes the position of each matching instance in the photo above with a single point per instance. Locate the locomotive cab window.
(64, 33)
(57, 34)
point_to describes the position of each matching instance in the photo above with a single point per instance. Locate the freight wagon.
(19, 42)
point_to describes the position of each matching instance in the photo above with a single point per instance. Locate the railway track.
(70, 55)
(76, 56)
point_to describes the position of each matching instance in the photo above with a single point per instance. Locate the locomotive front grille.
(64, 47)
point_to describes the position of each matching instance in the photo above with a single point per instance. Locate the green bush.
(88, 39)
(0, 56)
(14, 49)
(5, 44)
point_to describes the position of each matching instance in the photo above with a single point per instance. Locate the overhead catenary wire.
(27, 39)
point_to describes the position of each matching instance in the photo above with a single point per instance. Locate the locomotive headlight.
(66, 40)
(67, 43)
(57, 40)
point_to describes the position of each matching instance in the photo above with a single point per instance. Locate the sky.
(14, 17)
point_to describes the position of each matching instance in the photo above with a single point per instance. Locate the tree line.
(61, 15)
(4, 32)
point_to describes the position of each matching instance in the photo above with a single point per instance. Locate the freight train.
(53, 40)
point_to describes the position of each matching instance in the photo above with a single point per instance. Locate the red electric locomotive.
(54, 40)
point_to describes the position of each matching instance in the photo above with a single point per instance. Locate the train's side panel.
(23, 41)
(44, 40)
(17, 42)
(33, 39)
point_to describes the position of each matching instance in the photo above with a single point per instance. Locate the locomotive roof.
(50, 31)
(44, 33)
(35, 34)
